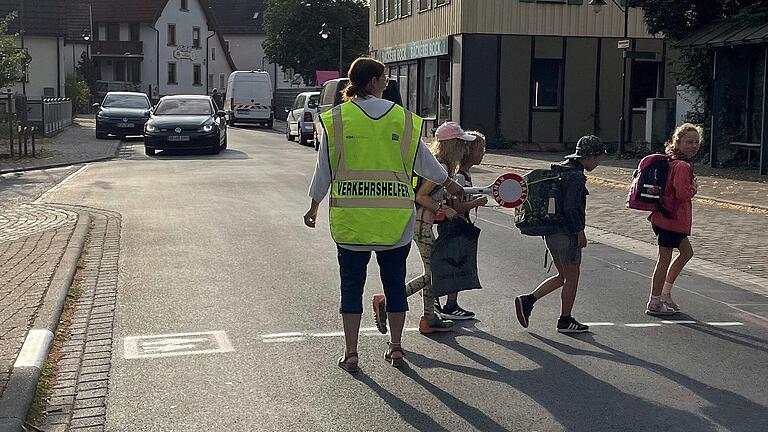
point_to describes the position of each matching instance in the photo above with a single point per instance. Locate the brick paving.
(79, 397)
(29, 254)
(75, 144)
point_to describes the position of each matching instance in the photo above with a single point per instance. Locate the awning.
(726, 33)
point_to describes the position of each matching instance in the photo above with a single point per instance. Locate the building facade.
(56, 34)
(240, 22)
(535, 73)
(159, 47)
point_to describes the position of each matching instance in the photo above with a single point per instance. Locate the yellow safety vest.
(371, 166)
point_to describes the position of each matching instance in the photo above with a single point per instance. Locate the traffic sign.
(509, 190)
(623, 44)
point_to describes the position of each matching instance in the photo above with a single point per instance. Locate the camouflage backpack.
(540, 214)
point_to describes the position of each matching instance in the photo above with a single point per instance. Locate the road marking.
(725, 324)
(678, 322)
(643, 325)
(284, 339)
(282, 335)
(599, 324)
(331, 334)
(169, 345)
(42, 198)
(35, 348)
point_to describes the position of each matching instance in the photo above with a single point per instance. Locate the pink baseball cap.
(452, 130)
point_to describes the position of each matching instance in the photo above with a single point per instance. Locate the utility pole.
(622, 119)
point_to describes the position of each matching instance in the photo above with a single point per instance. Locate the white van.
(249, 98)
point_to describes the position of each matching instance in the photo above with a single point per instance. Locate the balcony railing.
(118, 48)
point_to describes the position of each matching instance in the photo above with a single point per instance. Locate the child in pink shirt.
(673, 225)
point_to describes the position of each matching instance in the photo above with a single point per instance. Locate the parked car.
(250, 98)
(301, 117)
(122, 114)
(188, 122)
(332, 94)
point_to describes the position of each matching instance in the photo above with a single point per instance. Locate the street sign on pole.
(623, 44)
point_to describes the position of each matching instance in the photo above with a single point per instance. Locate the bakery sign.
(184, 53)
(414, 50)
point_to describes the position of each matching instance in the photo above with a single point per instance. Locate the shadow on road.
(728, 409)
(201, 154)
(576, 399)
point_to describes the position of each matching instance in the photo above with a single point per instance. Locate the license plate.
(178, 138)
(244, 111)
(125, 125)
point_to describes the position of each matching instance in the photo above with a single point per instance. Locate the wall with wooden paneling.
(436, 22)
(561, 19)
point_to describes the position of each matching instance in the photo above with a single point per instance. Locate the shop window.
(444, 90)
(196, 37)
(185, 5)
(429, 89)
(171, 34)
(213, 53)
(113, 32)
(210, 81)
(402, 82)
(119, 69)
(135, 31)
(380, 11)
(172, 73)
(413, 93)
(406, 8)
(222, 84)
(645, 79)
(197, 75)
(546, 83)
(425, 5)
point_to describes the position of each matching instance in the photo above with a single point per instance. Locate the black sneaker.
(438, 308)
(456, 313)
(570, 325)
(523, 307)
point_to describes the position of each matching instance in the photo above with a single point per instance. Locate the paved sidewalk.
(727, 185)
(75, 144)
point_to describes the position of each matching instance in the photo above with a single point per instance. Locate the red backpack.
(649, 181)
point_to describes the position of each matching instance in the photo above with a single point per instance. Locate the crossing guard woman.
(369, 150)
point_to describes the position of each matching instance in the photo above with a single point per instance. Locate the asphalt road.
(216, 243)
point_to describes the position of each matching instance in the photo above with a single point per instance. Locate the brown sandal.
(395, 361)
(345, 364)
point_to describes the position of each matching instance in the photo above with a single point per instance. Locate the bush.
(77, 90)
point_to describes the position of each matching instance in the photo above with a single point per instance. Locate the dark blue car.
(122, 114)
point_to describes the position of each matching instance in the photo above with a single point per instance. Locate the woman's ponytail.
(350, 91)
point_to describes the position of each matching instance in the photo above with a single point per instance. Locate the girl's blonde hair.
(673, 145)
(450, 152)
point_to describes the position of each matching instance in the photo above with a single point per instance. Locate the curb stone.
(20, 390)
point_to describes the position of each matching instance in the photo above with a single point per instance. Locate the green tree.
(11, 58)
(293, 26)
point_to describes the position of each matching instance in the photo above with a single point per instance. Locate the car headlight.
(151, 127)
(207, 128)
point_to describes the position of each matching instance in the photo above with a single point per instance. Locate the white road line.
(285, 339)
(282, 335)
(599, 324)
(678, 322)
(725, 324)
(643, 325)
(331, 334)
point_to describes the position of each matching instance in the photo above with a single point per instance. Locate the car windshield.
(312, 102)
(184, 107)
(125, 101)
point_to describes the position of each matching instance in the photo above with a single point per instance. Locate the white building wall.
(248, 54)
(149, 76)
(43, 67)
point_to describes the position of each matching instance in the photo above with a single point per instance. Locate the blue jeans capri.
(353, 266)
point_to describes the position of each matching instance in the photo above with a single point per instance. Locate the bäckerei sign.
(414, 50)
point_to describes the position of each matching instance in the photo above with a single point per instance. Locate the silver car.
(301, 117)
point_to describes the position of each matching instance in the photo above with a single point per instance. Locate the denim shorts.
(353, 266)
(564, 248)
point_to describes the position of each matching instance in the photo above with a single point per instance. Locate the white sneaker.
(658, 308)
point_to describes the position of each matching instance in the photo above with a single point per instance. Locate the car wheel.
(288, 135)
(303, 139)
(269, 124)
(230, 122)
(101, 135)
(149, 151)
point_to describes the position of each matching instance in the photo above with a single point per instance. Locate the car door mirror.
(287, 109)
(96, 105)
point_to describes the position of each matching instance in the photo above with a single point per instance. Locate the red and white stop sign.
(509, 190)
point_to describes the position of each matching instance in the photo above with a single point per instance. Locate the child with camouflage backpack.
(566, 238)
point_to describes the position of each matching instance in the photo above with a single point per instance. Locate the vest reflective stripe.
(371, 165)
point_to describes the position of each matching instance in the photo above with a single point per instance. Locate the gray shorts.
(564, 248)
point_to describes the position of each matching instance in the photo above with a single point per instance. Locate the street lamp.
(597, 6)
(324, 33)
